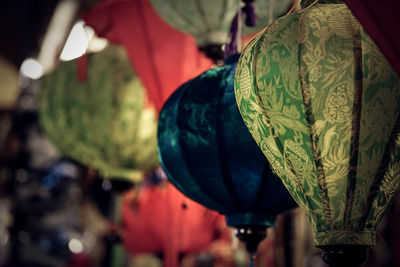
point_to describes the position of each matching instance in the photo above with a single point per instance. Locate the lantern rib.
(225, 170)
(355, 131)
(188, 22)
(321, 178)
(176, 153)
(260, 102)
(383, 167)
(150, 51)
(203, 15)
(221, 24)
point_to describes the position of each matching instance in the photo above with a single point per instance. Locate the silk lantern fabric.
(381, 21)
(162, 57)
(322, 103)
(207, 152)
(101, 122)
(209, 21)
(160, 219)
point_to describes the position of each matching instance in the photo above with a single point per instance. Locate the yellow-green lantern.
(101, 122)
(323, 104)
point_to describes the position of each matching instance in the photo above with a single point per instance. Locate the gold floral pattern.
(323, 105)
(337, 105)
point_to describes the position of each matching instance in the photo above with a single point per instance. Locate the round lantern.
(323, 104)
(101, 122)
(181, 226)
(207, 152)
(209, 21)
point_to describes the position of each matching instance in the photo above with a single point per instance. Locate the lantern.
(162, 57)
(322, 103)
(209, 21)
(158, 218)
(207, 152)
(101, 122)
(381, 22)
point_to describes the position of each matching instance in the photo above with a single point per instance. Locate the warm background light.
(31, 68)
(75, 245)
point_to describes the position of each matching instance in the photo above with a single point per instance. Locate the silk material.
(162, 57)
(101, 122)
(159, 218)
(209, 21)
(323, 104)
(207, 152)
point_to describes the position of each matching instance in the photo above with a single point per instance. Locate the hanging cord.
(232, 47)
(235, 31)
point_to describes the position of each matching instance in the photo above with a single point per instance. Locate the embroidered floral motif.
(323, 106)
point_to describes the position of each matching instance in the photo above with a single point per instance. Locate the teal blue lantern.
(207, 152)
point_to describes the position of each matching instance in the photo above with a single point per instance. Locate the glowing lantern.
(322, 103)
(207, 152)
(101, 122)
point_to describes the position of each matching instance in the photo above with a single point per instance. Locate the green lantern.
(101, 122)
(323, 104)
(209, 21)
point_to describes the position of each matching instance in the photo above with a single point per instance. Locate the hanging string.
(232, 47)
(235, 31)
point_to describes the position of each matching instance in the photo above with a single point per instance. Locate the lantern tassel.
(235, 30)
(232, 47)
(251, 235)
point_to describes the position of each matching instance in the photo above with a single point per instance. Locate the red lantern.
(162, 57)
(382, 22)
(161, 219)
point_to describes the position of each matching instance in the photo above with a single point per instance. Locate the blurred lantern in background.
(159, 219)
(162, 57)
(51, 221)
(101, 122)
(322, 103)
(46, 190)
(209, 21)
(207, 152)
(9, 88)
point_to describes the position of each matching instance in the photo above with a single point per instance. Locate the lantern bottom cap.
(344, 255)
(345, 237)
(251, 236)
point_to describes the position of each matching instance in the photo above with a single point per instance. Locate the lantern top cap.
(307, 3)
